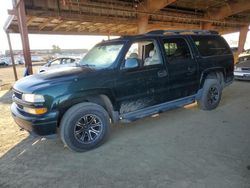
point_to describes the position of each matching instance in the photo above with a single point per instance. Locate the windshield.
(101, 56)
(244, 58)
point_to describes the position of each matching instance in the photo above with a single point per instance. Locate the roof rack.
(178, 32)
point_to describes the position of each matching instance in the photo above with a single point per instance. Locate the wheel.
(211, 94)
(84, 126)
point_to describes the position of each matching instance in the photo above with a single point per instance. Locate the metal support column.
(12, 56)
(21, 17)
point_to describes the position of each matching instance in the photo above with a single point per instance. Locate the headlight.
(36, 111)
(33, 98)
(237, 68)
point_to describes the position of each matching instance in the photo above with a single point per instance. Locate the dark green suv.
(122, 80)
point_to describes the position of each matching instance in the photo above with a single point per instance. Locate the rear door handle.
(191, 70)
(162, 73)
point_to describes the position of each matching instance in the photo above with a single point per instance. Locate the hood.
(60, 76)
(243, 64)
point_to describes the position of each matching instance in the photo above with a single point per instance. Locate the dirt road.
(181, 148)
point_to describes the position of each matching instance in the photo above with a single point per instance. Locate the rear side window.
(211, 45)
(176, 50)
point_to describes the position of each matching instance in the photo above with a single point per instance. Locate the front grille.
(245, 69)
(17, 94)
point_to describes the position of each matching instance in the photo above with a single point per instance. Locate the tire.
(211, 94)
(84, 126)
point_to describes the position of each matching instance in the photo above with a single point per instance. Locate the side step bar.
(148, 111)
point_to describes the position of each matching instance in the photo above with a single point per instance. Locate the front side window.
(55, 62)
(101, 56)
(143, 53)
(176, 49)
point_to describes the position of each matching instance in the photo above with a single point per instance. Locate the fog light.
(36, 111)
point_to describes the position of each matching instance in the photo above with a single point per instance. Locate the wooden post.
(142, 24)
(12, 56)
(21, 18)
(242, 39)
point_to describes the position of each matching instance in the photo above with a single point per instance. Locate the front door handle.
(162, 73)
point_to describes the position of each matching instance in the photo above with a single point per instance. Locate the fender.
(103, 97)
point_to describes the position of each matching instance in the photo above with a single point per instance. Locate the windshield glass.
(101, 56)
(244, 58)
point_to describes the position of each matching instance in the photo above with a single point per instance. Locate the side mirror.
(131, 63)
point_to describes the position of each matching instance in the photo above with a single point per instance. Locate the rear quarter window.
(211, 45)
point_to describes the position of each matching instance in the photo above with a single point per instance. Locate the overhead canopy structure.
(125, 17)
(121, 17)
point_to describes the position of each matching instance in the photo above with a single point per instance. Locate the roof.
(120, 17)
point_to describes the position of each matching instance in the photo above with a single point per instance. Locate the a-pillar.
(242, 39)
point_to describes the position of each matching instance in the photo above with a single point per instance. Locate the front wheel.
(211, 94)
(84, 126)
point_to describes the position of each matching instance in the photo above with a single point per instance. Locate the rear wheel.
(211, 94)
(84, 126)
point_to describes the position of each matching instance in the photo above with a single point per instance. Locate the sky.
(38, 41)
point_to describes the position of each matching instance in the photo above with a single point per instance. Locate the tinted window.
(176, 49)
(211, 45)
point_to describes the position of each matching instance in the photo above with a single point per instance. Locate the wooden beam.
(170, 25)
(72, 26)
(30, 20)
(229, 9)
(43, 25)
(153, 5)
(58, 26)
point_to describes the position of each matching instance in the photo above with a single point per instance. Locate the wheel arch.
(217, 73)
(102, 99)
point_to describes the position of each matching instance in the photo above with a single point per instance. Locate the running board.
(148, 111)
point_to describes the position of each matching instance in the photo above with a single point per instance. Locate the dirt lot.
(7, 75)
(182, 148)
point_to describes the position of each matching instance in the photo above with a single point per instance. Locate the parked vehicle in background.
(6, 61)
(122, 80)
(242, 68)
(59, 63)
(36, 58)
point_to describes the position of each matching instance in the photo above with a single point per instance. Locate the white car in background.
(59, 63)
(242, 68)
(6, 61)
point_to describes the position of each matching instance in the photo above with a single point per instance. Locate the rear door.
(182, 67)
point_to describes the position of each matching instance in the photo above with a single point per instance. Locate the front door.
(182, 68)
(142, 77)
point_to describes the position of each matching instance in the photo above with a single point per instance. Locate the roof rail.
(178, 32)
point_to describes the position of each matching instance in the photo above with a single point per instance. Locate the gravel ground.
(182, 148)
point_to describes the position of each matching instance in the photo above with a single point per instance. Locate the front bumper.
(44, 125)
(240, 75)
